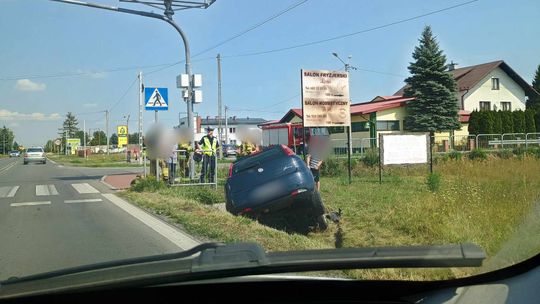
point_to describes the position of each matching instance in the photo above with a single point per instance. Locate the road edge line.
(166, 230)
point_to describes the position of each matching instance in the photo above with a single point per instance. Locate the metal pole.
(84, 138)
(349, 139)
(140, 117)
(219, 104)
(226, 127)
(157, 160)
(380, 160)
(107, 129)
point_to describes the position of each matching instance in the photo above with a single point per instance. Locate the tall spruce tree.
(435, 107)
(534, 101)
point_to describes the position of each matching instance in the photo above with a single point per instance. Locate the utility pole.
(219, 104)
(84, 138)
(107, 128)
(349, 131)
(226, 127)
(141, 90)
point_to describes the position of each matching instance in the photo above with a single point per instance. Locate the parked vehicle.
(34, 154)
(276, 187)
(289, 134)
(229, 150)
(14, 153)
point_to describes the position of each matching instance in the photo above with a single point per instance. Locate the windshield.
(297, 125)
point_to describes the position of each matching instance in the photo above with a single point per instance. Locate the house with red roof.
(488, 86)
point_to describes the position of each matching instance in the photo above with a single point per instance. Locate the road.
(53, 217)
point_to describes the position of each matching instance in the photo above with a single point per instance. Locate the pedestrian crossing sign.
(156, 99)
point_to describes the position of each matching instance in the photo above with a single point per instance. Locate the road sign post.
(156, 99)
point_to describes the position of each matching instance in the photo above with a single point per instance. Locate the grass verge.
(94, 160)
(490, 203)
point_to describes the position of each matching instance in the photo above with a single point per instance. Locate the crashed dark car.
(275, 187)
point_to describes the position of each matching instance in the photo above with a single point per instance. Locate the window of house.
(494, 83)
(388, 125)
(485, 105)
(360, 126)
(232, 130)
(506, 106)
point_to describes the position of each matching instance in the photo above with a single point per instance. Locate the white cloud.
(8, 115)
(94, 75)
(29, 85)
(90, 105)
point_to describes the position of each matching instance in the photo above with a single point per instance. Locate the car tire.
(317, 203)
(44, 162)
(322, 224)
(25, 163)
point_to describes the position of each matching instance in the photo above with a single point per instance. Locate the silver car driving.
(34, 154)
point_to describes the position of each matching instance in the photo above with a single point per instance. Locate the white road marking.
(177, 237)
(88, 200)
(30, 204)
(46, 190)
(84, 188)
(12, 191)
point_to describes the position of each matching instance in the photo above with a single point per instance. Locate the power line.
(350, 34)
(125, 93)
(251, 28)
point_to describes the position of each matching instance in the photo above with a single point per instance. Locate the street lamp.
(169, 6)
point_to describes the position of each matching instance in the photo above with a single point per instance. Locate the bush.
(203, 195)
(433, 181)
(519, 151)
(478, 154)
(371, 157)
(149, 184)
(504, 153)
(440, 158)
(455, 155)
(333, 167)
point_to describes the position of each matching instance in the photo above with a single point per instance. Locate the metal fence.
(447, 143)
(178, 171)
(338, 147)
(507, 140)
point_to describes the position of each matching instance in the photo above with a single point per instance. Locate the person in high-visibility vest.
(208, 145)
(245, 149)
(183, 158)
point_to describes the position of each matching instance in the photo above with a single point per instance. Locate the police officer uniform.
(209, 144)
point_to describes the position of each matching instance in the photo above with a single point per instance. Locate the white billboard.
(398, 149)
(325, 98)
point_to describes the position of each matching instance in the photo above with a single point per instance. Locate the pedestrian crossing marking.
(13, 191)
(8, 191)
(42, 190)
(84, 188)
(156, 98)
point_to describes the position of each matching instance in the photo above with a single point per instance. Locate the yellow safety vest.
(247, 149)
(206, 147)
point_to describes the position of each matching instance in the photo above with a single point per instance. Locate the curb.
(102, 180)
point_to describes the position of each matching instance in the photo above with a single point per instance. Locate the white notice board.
(398, 149)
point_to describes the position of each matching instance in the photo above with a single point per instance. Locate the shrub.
(149, 184)
(504, 153)
(519, 151)
(433, 181)
(203, 195)
(440, 158)
(478, 154)
(455, 155)
(333, 167)
(371, 157)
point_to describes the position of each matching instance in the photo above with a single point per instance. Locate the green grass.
(492, 203)
(94, 160)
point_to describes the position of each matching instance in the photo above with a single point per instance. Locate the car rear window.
(34, 150)
(258, 158)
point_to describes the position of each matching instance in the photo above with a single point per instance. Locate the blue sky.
(43, 38)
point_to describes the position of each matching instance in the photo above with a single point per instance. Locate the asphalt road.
(54, 217)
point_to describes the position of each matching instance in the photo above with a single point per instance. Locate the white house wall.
(509, 90)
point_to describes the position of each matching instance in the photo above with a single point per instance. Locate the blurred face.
(210, 133)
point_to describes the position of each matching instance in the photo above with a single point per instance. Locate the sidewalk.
(119, 181)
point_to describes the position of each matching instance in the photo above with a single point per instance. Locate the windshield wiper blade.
(251, 255)
(109, 264)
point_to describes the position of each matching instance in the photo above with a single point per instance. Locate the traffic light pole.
(167, 18)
